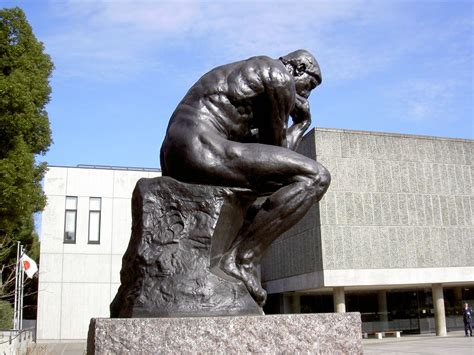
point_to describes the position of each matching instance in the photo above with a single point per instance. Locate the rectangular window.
(94, 220)
(70, 220)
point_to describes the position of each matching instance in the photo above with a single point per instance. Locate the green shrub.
(6, 315)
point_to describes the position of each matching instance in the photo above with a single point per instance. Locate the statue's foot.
(247, 273)
(229, 265)
(252, 283)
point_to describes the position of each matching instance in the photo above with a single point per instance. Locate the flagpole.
(15, 311)
(22, 278)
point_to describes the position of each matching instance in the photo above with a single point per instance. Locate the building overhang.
(372, 279)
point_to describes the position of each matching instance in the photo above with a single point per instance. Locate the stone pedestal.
(179, 234)
(324, 333)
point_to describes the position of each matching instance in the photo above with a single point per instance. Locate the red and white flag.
(29, 265)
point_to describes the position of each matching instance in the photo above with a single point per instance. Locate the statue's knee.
(319, 181)
(324, 178)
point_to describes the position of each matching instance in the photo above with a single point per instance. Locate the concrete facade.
(399, 211)
(77, 281)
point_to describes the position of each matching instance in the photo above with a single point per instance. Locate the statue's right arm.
(276, 103)
(301, 121)
(270, 88)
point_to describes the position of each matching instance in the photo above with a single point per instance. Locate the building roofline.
(402, 135)
(106, 167)
(320, 129)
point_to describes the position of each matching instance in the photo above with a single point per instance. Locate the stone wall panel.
(395, 201)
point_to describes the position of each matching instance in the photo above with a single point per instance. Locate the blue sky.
(122, 66)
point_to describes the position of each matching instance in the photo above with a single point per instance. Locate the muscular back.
(238, 100)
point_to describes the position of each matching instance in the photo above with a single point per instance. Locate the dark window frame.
(89, 241)
(66, 240)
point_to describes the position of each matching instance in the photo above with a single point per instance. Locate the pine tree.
(24, 133)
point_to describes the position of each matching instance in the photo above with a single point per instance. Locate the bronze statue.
(231, 129)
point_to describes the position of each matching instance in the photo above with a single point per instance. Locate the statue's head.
(305, 70)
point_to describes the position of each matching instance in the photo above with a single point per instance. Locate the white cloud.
(121, 38)
(149, 17)
(115, 40)
(427, 100)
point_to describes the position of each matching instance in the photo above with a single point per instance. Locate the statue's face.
(307, 75)
(305, 70)
(304, 83)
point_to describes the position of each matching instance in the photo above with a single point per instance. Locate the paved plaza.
(455, 343)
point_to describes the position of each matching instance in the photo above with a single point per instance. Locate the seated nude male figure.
(231, 129)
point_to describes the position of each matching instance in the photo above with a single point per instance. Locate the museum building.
(393, 238)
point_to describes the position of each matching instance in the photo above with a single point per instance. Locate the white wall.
(78, 281)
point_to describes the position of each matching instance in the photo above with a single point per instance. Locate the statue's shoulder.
(251, 76)
(263, 61)
(273, 71)
(268, 68)
(262, 58)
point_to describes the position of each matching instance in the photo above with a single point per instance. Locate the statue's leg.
(280, 211)
(300, 182)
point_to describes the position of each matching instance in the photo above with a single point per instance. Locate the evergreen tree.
(24, 133)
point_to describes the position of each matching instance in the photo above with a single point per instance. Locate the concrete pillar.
(339, 299)
(295, 304)
(291, 304)
(440, 316)
(285, 304)
(383, 309)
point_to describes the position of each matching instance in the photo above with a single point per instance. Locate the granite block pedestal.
(323, 333)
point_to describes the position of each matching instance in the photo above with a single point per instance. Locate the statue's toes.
(261, 297)
(255, 289)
